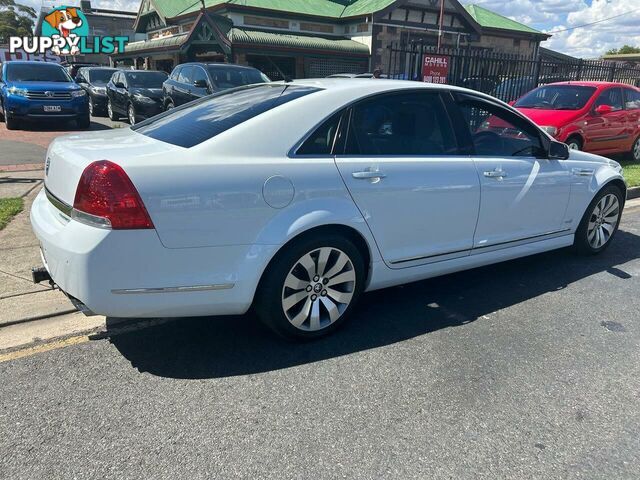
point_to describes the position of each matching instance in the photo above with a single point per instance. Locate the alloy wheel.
(573, 145)
(636, 150)
(109, 109)
(603, 221)
(318, 289)
(91, 107)
(132, 115)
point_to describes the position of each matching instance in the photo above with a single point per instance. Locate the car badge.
(48, 94)
(47, 164)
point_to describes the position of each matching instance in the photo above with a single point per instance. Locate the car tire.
(10, 122)
(113, 116)
(131, 114)
(2, 114)
(295, 298)
(169, 105)
(84, 122)
(635, 150)
(600, 222)
(574, 143)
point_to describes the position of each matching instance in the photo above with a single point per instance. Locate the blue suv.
(40, 91)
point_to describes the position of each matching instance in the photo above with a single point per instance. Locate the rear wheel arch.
(346, 231)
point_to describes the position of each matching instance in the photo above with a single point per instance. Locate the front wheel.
(600, 222)
(311, 288)
(635, 150)
(131, 114)
(112, 115)
(574, 143)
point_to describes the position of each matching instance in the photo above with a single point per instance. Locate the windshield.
(101, 76)
(557, 97)
(225, 77)
(146, 79)
(28, 72)
(203, 119)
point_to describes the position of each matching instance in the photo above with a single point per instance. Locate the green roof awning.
(319, 8)
(173, 42)
(248, 37)
(488, 19)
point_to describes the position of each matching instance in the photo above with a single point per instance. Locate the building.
(102, 22)
(302, 38)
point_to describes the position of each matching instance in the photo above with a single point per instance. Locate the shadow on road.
(195, 348)
(61, 126)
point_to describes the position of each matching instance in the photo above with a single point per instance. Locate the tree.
(16, 20)
(623, 50)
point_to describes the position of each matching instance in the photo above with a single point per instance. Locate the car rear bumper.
(129, 273)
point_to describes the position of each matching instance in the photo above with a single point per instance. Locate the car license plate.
(52, 108)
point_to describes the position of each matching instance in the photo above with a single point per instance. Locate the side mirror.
(200, 84)
(558, 151)
(603, 109)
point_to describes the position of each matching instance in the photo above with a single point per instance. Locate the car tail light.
(107, 198)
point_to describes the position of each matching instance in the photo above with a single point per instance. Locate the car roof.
(32, 62)
(216, 64)
(592, 84)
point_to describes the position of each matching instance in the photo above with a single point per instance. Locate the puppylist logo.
(65, 31)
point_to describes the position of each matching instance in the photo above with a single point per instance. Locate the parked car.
(190, 81)
(297, 197)
(73, 67)
(136, 94)
(39, 91)
(93, 80)
(598, 117)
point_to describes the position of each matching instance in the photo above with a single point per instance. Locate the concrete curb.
(37, 317)
(26, 167)
(633, 192)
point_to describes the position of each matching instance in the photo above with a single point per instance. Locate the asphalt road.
(528, 369)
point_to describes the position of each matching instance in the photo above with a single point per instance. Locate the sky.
(544, 15)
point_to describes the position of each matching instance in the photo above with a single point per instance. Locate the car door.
(401, 164)
(120, 93)
(632, 106)
(606, 131)
(524, 194)
(184, 85)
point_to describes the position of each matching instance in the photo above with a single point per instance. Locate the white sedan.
(297, 197)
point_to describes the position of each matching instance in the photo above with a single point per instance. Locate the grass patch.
(9, 207)
(631, 172)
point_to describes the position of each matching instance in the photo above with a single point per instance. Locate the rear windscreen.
(196, 122)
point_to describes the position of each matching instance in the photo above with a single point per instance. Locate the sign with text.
(435, 68)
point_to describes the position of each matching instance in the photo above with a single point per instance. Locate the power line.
(593, 23)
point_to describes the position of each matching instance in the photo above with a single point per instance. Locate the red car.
(598, 117)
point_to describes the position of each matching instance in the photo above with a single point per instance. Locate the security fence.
(504, 76)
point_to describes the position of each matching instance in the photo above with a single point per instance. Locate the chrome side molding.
(192, 288)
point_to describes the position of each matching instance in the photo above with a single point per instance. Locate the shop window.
(316, 27)
(266, 22)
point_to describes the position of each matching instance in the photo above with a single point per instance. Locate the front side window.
(631, 99)
(557, 97)
(28, 72)
(611, 97)
(407, 124)
(498, 132)
(145, 79)
(194, 123)
(230, 77)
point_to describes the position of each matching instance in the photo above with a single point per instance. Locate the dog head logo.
(66, 23)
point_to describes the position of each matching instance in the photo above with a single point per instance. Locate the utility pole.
(440, 24)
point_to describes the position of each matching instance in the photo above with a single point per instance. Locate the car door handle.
(497, 173)
(368, 174)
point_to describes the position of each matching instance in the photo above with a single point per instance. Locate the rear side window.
(403, 124)
(611, 97)
(631, 99)
(196, 122)
(320, 142)
(185, 75)
(176, 73)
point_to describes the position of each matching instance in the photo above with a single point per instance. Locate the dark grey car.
(190, 81)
